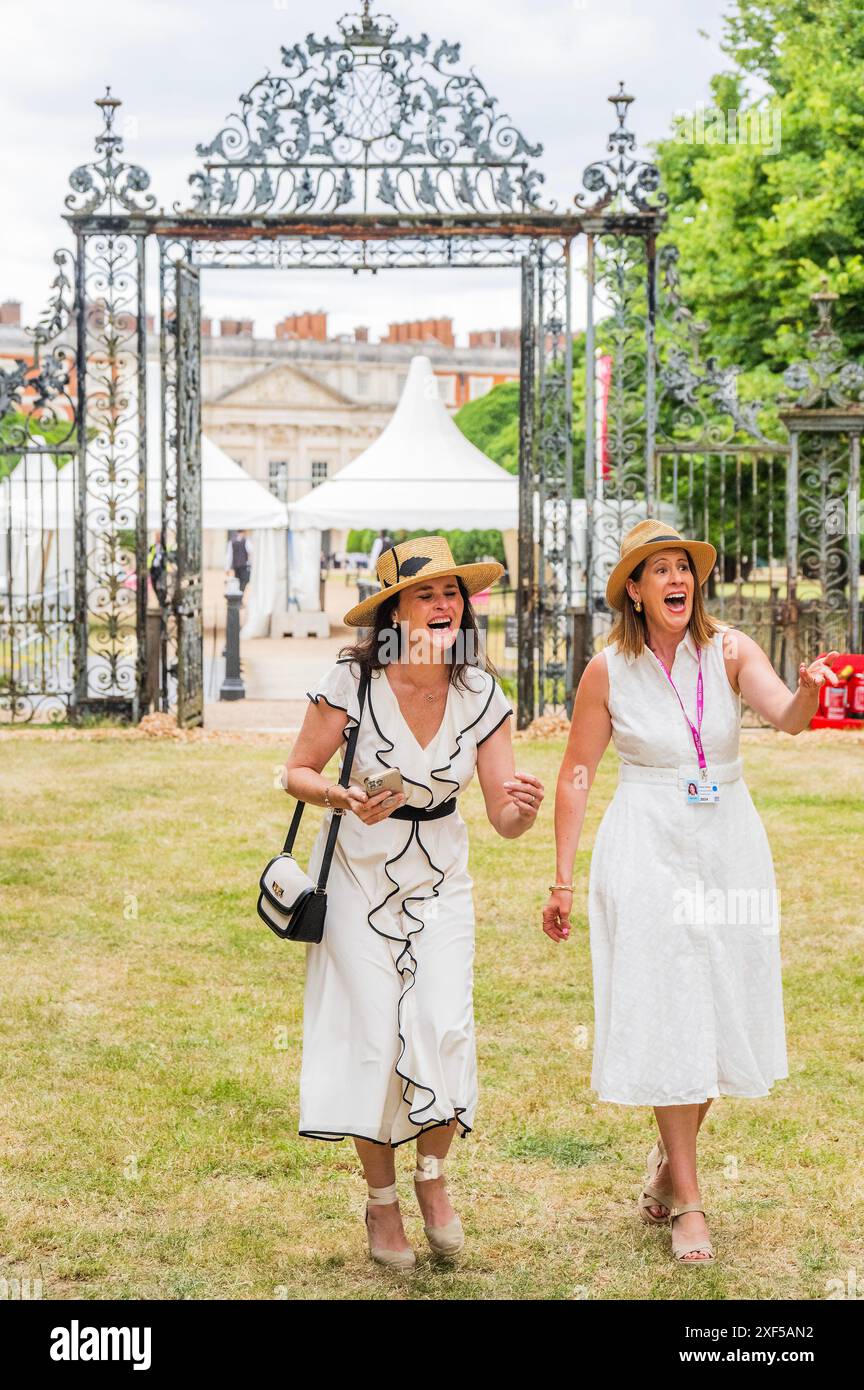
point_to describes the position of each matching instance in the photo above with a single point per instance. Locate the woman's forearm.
(306, 784)
(570, 803)
(799, 710)
(510, 825)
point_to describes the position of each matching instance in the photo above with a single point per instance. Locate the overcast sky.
(180, 65)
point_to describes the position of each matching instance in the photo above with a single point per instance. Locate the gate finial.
(108, 180)
(622, 182)
(826, 378)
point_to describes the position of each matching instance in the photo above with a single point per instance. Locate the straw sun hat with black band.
(643, 540)
(411, 562)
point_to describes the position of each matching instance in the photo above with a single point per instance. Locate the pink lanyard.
(695, 729)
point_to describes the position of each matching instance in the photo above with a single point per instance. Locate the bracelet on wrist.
(554, 887)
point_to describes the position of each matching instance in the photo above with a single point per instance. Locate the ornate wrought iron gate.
(367, 152)
(187, 597)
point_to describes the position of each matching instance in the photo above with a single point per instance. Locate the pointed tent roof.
(420, 471)
(230, 497)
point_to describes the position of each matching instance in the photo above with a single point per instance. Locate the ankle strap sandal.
(650, 1196)
(680, 1249)
(394, 1259)
(443, 1240)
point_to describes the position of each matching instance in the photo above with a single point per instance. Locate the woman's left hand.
(814, 676)
(526, 792)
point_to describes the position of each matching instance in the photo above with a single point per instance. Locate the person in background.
(383, 541)
(238, 558)
(157, 561)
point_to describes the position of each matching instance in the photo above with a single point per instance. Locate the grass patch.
(150, 1033)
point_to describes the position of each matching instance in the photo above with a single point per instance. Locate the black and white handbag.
(292, 904)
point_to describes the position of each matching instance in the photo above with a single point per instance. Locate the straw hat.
(641, 541)
(410, 562)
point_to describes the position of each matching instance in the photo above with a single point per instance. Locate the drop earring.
(638, 605)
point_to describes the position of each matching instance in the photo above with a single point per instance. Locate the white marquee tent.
(420, 471)
(37, 505)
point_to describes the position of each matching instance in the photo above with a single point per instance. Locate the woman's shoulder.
(337, 685)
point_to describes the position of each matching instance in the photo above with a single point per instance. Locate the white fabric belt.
(681, 775)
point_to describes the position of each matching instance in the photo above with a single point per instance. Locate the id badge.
(702, 790)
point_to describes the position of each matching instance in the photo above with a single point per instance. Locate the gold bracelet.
(554, 886)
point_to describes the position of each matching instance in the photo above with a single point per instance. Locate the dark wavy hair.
(367, 652)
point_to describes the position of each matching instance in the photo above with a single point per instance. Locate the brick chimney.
(495, 338)
(306, 325)
(206, 328)
(425, 330)
(361, 335)
(10, 313)
(236, 328)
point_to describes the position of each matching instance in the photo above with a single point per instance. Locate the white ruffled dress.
(388, 1023)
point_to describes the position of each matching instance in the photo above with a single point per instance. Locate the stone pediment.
(282, 384)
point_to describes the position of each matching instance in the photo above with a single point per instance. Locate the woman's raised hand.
(814, 676)
(369, 809)
(556, 914)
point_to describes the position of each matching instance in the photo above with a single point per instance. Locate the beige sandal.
(394, 1259)
(444, 1240)
(649, 1196)
(679, 1250)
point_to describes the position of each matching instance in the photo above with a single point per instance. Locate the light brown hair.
(629, 629)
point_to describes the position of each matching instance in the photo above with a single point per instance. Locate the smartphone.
(389, 779)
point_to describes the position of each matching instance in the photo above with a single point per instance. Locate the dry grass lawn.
(151, 1039)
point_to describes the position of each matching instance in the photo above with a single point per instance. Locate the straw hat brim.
(474, 576)
(702, 553)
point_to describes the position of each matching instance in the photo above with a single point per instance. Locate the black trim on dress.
(458, 749)
(497, 727)
(333, 1137)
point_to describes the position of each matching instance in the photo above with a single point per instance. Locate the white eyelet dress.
(388, 1019)
(682, 905)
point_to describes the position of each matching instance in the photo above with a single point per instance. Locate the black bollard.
(232, 687)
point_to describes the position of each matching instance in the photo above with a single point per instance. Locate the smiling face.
(665, 586)
(432, 610)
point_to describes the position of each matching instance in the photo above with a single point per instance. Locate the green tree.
(492, 422)
(759, 219)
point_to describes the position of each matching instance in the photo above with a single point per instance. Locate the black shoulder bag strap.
(344, 778)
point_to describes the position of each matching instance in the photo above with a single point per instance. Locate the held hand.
(526, 793)
(556, 914)
(369, 809)
(814, 676)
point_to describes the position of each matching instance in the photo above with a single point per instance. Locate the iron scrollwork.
(38, 475)
(367, 122)
(623, 182)
(108, 184)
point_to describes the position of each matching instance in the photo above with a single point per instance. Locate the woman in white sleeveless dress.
(388, 1025)
(682, 901)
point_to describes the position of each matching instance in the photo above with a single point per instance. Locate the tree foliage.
(758, 224)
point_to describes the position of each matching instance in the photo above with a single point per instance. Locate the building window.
(319, 471)
(277, 470)
(362, 384)
(447, 389)
(479, 386)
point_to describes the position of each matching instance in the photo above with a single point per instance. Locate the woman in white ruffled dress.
(682, 900)
(388, 1028)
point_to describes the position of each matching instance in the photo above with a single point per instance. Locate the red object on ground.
(839, 703)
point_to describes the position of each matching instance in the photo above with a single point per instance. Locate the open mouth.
(677, 602)
(440, 624)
